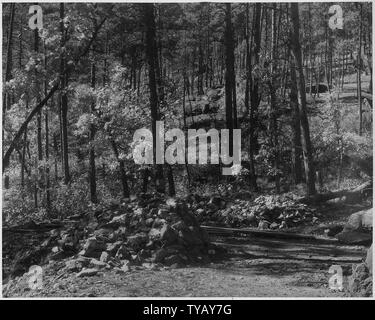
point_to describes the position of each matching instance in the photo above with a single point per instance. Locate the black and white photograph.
(187, 150)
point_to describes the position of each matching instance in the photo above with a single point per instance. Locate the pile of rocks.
(148, 230)
(265, 212)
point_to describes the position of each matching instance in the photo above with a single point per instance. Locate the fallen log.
(33, 227)
(349, 196)
(266, 234)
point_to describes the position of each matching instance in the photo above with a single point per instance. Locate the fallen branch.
(265, 234)
(351, 196)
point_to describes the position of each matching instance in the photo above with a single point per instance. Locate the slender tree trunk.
(151, 53)
(92, 170)
(359, 70)
(123, 177)
(306, 142)
(23, 159)
(46, 128)
(64, 99)
(231, 122)
(273, 114)
(171, 186)
(254, 96)
(9, 58)
(56, 154)
(297, 148)
(8, 75)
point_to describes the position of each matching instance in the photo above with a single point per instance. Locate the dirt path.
(256, 268)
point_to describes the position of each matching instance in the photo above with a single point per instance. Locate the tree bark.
(296, 125)
(92, 170)
(151, 53)
(359, 70)
(254, 96)
(8, 74)
(124, 180)
(306, 142)
(46, 127)
(64, 98)
(229, 74)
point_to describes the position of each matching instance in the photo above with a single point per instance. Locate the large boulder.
(137, 241)
(358, 221)
(165, 234)
(93, 248)
(358, 229)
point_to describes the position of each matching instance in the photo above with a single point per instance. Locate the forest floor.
(251, 267)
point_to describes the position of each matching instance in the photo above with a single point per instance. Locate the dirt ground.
(248, 270)
(250, 267)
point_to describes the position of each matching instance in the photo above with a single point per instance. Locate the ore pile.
(148, 231)
(265, 212)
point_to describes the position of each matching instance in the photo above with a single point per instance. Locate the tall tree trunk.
(56, 154)
(40, 176)
(171, 186)
(46, 128)
(151, 53)
(359, 70)
(8, 74)
(229, 70)
(296, 125)
(64, 98)
(92, 170)
(273, 111)
(306, 142)
(254, 96)
(200, 69)
(9, 57)
(123, 177)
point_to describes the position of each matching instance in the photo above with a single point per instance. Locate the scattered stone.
(274, 225)
(97, 264)
(331, 231)
(263, 225)
(118, 221)
(112, 248)
(168, 235)
(87, 273)
(93, 248)
(171, 260)
(123, 253)
(160, 255)
(104, 257)
(73, 266)
(137, 241)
